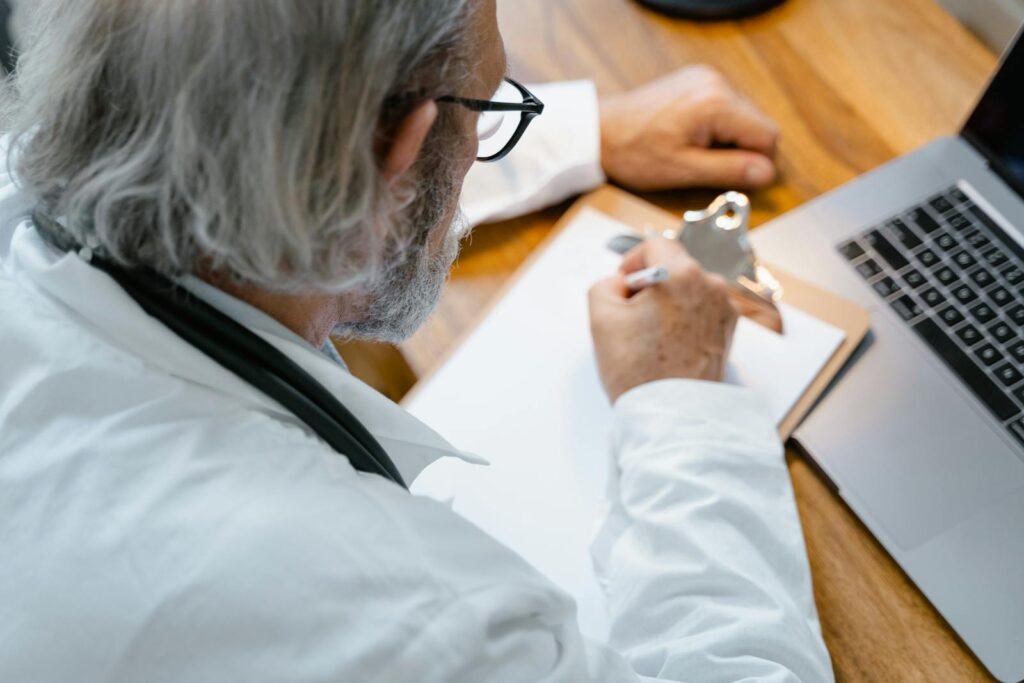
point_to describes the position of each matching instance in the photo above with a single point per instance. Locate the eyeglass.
(503, 118)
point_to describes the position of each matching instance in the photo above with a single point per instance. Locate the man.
(297, 166)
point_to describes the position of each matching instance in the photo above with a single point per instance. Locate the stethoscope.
(253, 360)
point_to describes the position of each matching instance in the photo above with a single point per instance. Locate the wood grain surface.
(852, 83)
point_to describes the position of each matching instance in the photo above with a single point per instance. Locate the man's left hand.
(690, 128)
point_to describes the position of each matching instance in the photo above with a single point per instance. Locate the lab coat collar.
(99, 303)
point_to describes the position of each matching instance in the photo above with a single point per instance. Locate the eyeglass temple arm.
(532, 105)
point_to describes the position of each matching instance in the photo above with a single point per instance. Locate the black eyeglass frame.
(530, 108)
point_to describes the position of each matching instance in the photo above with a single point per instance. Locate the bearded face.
(400, 301)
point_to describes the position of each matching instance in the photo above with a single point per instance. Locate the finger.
(609, 289)
(742, 124)
(654, 252)
(635, 259)
(728, 168)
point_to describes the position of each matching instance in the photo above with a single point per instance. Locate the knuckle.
(714, 100)
(690, 274)
(714, 96)
(665, 249)
(709, 73)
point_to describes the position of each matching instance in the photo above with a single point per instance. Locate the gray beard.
(402, 300)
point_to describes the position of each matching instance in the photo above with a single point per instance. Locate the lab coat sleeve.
(559, 156)
(701, 554)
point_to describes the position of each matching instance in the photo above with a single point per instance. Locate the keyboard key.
(965, 294)
(915, 278)
(982, 278)
(903, 234)
(988, 355)
(983, 313)
(924, 221)
(947, 275)
(1008, 374)
(1012, 247)
(959, 362)
(1016, 314)
(958, 222)
(886, 287)
(951, 316)
(957, 195)
(928, 258)
(1019, 394)
(1013, 275)
(889, 253)
(965, 259)
(1000, 296)
(946, 242)
(995, 257)
(906, 307)
(1002, 332)
(940, 204)
(1017, 351)
(977, 239)
(851, 250)
(969, 334)
(933, 298)
(868, 268)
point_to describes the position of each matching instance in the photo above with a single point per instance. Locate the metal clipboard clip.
(717, 237)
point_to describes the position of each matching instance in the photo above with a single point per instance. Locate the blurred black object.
(709, 10)
(8, 55)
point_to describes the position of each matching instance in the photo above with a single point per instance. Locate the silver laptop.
(923, 435)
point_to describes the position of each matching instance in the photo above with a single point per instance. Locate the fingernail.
(760, 172)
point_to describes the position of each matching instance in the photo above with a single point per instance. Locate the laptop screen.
(996, 127)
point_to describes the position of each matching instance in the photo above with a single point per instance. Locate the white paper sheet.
(523, 392)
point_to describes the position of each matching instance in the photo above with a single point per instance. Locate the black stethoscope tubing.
(256, 362)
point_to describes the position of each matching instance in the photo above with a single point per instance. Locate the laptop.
(923, 435)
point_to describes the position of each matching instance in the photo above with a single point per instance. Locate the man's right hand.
(679, 329)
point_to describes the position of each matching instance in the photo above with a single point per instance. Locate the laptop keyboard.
(956, 278)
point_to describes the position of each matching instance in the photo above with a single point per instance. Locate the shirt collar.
(249, 316)
(111, 313)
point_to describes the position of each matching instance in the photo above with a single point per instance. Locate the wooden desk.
(853, 83)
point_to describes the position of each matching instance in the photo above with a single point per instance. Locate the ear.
(401, 151)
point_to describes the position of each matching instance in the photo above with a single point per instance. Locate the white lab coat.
(160, 520)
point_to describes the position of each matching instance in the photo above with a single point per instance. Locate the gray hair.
(230, 134)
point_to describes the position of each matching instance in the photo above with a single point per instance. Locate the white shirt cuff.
(669, 414)
(559, 156)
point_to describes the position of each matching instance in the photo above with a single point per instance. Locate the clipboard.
(564, 434)
(853, 320)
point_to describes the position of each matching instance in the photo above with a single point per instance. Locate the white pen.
(643, 279)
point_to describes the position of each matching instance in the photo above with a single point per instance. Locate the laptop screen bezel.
(973, 131)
